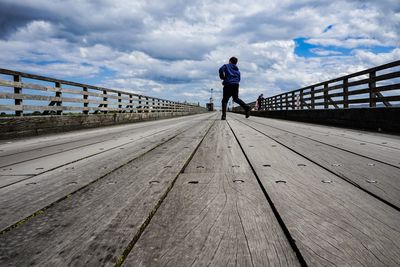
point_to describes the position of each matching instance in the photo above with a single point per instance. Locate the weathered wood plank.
(48, 187)
(375, 177)
(93, 226)
(384, 140)
(350, 141)
(333, 222)
(71, 91)
(10, 147)
(216, 216)
(13, 152)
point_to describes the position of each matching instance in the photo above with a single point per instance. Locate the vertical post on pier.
(130, 103)
(301, 99)
(59, 95)
(286, 101)
(326, 103)
(158, 105)
(119, 103)
(105, 101)
(85, 100)
(372, 88)
(140, 104)
(312, 98)
(280, 102)
(18, 101)
(147, 104)
(345, 93)
(293, 101)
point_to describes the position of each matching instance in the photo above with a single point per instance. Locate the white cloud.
(173, 49)
(323, 52)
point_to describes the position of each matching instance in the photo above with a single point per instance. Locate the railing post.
(59, 95)
(326, 103)
(140, 104)
(119, 103)
(301, 99)
(293, 101)
(105, 98)
(280, 103)
(18, 101)
(287, 101)
(312, 98)
(345, 93)
(147, 104)
(372, 86)
(130, 103)
(85, 100)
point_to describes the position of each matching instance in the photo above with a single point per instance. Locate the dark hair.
(233, 60)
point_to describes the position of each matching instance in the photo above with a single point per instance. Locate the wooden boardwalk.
(199, 191)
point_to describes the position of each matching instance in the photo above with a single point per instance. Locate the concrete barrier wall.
(14, 127)
(375, 119)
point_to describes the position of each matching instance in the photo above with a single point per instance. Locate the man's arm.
(222, 72)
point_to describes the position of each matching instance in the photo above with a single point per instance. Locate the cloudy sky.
(173, 49)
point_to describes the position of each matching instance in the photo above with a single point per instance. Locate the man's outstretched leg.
(224, 111)
(244, 106)
(236, 99)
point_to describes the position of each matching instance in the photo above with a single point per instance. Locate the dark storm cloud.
(14, 16)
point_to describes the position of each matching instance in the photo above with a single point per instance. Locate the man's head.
(233, 60)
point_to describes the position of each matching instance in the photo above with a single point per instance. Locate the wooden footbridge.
(195, 190)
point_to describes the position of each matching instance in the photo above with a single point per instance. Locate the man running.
(230, 75)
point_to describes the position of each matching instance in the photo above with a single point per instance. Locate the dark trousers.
(232, 90)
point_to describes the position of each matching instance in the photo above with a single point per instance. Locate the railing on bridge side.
(360, 89)
(39, 95)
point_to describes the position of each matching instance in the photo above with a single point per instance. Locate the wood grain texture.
(385, 151)
(216, 216)
(382, 139)
(333, 222)
(94, 225)
(42, 190)
(373, 176)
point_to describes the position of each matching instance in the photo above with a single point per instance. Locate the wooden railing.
(361, 89)
(23, 93)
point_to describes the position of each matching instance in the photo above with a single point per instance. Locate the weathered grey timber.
(49, 185)
(374, 119)
(386, 152)
(367, 99)
(197, 190)
(94, 225)
(13, 127)
(333, 222)
(215, 215)
(88, 106)
(343, 92)
(373, 176)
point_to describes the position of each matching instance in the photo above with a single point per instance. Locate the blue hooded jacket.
(230, 74)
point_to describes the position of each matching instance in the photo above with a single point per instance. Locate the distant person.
(230, 75)
(259, 101)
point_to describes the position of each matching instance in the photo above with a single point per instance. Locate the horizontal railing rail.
(378, 86)
(23, 93)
